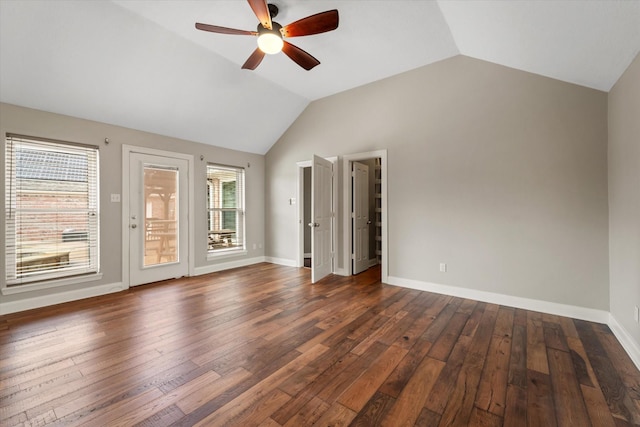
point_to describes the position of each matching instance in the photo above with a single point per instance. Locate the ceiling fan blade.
(254, 60)
(299, 56)
(224, 30)
(261, 10)
(314, 24)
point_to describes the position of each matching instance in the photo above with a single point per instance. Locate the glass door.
(158, 228)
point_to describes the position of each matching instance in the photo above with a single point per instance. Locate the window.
(225, 208)
(51, 202)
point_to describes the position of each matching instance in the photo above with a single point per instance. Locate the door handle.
(134, 225)
(368, 222)
(314, 224)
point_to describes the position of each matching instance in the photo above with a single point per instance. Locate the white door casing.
(321, 218)
(158, 242)
(360, 217)
(347, 194)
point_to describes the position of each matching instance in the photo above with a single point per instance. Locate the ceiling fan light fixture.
(270, 43)
(270, 40)
(271, 34)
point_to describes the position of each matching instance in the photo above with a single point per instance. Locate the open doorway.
(317, 201)
(365, 232)
(366, 214)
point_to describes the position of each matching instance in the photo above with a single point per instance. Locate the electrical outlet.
(443, 267)
(636, 314)
(115, 198)
(255, 246)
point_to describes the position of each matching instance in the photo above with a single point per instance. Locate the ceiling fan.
(271, 34)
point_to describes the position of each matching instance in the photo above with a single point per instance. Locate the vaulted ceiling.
(142, 64)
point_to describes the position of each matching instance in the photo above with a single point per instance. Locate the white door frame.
(126, 151)
(300, 211)
(347, 192)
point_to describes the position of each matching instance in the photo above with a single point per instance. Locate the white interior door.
(158, 218)
(360, 217)
(321, 218)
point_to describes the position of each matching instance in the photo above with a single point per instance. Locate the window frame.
(240, 224)
(12, 280)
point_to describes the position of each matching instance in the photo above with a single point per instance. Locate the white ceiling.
(143, 65)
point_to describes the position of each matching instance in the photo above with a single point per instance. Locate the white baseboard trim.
(59, 298)
(582, 313)
(590, 314)
(198, 271)
(625, 338)
(282, 261)
(341, 272)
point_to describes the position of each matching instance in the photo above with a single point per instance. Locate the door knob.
(368, 222)
(314, 224)
(134, 225)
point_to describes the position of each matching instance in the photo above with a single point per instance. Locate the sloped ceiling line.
(142, 64)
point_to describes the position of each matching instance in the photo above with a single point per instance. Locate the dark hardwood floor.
(261, 346)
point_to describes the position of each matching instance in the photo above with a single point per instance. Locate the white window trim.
(217, 254)
(50, 284)
(11, 287)
(226, 253)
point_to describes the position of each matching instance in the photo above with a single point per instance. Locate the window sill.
(232, 253)
(50, 284)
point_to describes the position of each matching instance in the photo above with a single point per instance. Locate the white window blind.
(225, 208)
(52, 209)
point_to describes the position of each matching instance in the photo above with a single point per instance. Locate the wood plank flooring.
(261, 346)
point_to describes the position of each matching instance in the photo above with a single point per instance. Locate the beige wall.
(38, 123)
(499, 173)
(624, 198)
